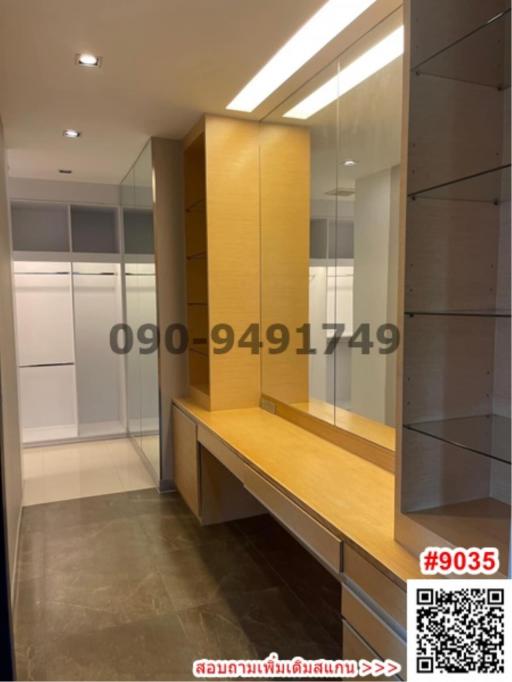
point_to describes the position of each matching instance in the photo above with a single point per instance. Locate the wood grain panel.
(195, 172)
(223, 496)
(222, 452)
(285, 189)
(197, 284)
(356, 649)
(195, 229)
(186, 467)
(351, 497)
(359, 435)
(232, 170)
(378, 586)
(373, 630)
(325, 545)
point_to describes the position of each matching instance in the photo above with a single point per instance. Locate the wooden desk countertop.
(352, 497)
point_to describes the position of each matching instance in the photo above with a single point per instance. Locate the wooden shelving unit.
(197, 267)
(221, 166)
(454, 456)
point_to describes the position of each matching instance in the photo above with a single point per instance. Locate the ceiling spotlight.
(72, 133)
(350, 162)
(65, 171)
(89, 60)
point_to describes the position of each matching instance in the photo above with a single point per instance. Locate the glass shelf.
(490, 186)
(461, 313)
(482, 57)
(487, 435)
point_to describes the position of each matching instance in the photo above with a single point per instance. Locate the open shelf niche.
(454, 456)
(197, 268)
(221, 166)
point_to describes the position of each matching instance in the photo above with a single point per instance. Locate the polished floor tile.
(71, 471)
(129, 586)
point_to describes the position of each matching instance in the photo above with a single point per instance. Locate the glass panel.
(482, 57)
(142, 404)
(369, 142)
(132, 320)
(94, 230)
(355, 138)
(138, 231)
(146, 284)
(97, 308)
(39, 228)
(133, 397)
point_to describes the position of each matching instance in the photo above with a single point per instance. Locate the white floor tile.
(70, 471)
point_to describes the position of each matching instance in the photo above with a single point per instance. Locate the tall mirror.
(332, 279)
(140, 310)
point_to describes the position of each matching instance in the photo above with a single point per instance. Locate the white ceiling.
(164, 63)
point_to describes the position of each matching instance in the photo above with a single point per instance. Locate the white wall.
(11, 450)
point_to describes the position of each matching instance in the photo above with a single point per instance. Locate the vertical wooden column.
(285, 191)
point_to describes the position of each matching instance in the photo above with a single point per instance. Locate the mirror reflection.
(351, 112)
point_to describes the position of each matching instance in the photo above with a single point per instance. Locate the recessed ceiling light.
(71, 132)
(350, 162)
(89, 60)
(323, 26)
(65, 171)
(376, 58)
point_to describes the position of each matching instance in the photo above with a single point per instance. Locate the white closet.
(46, 354)
(68, 295)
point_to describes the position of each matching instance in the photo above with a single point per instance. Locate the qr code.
(458, 626)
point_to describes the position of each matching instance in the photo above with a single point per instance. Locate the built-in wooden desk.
(351, 497)
(234, 463)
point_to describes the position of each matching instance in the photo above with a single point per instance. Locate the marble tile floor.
(129, 586)
(83, 469)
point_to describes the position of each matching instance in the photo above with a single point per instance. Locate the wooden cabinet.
(186, 464)
(223, 260)
(373, 608)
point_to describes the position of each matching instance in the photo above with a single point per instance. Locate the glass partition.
(352, 114)
(142, 395)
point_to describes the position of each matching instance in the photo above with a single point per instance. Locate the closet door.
(45, 343)
(97, 308)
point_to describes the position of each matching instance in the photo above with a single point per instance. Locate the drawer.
(321, 542)
(355, 648)
(221, 451)
(378, 586)
(381, 638)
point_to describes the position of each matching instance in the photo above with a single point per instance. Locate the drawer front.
(221, 451)
(186, 460)
(381, 638)
(376, 585)
(322, 543)
(355, 648)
